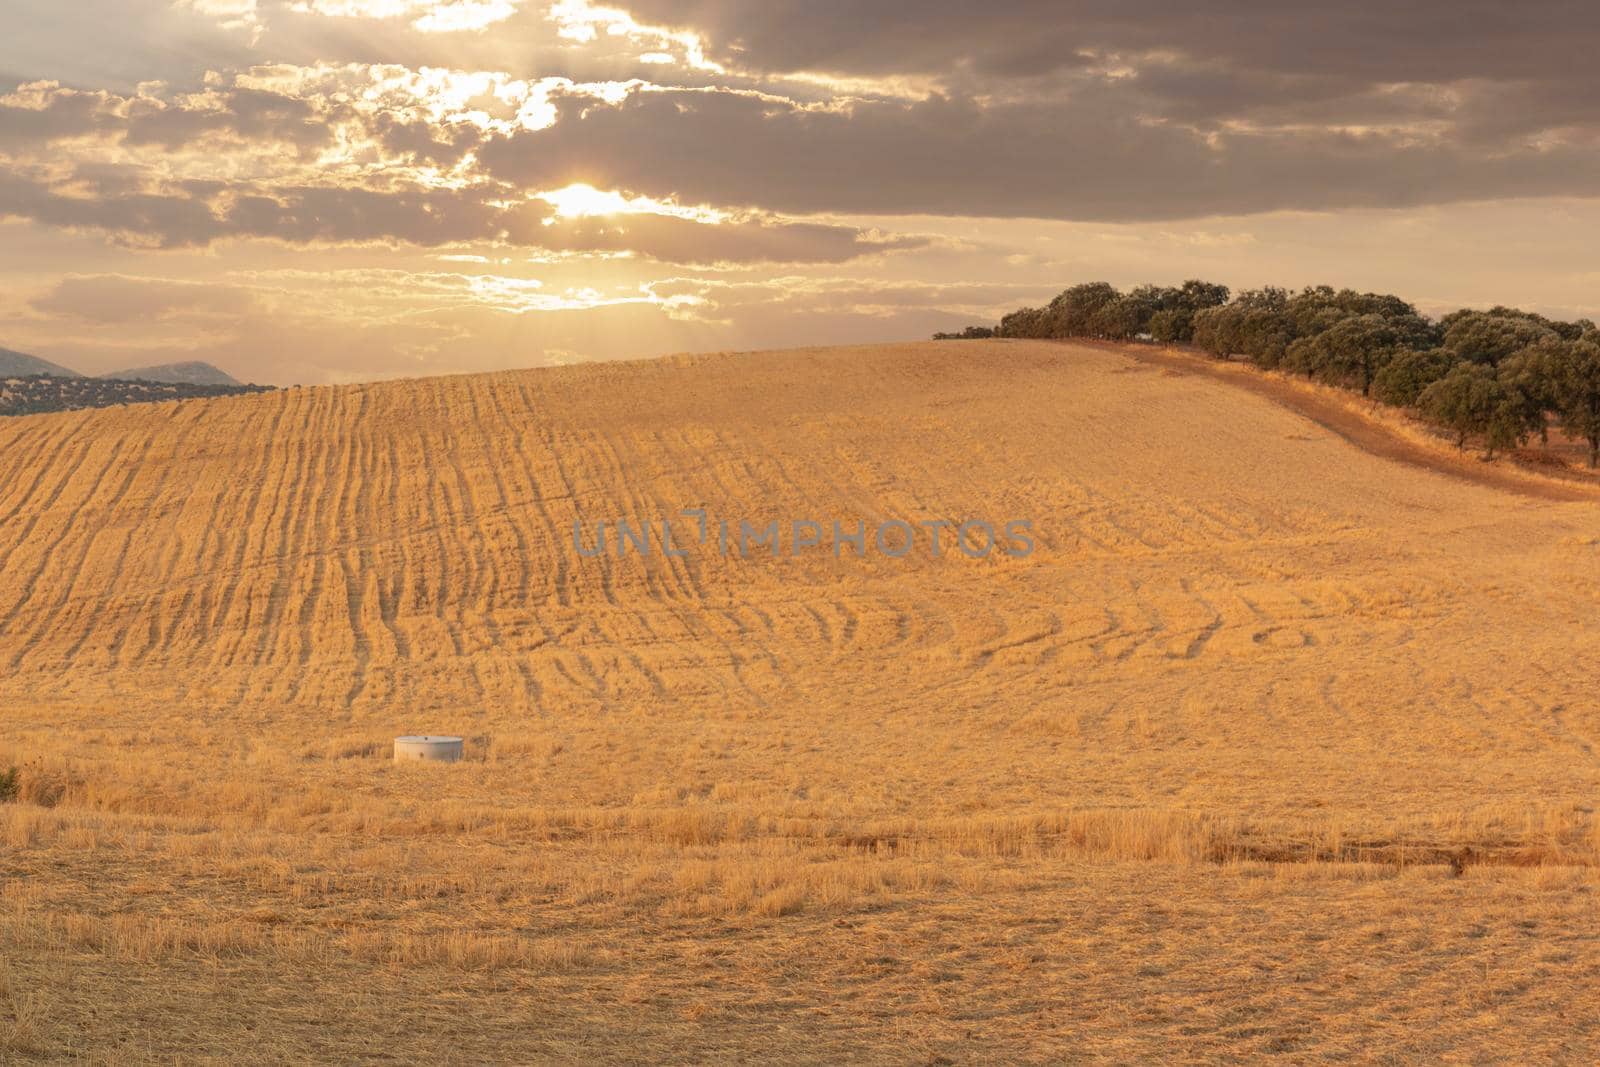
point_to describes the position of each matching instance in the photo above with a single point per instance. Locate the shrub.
(10, 786)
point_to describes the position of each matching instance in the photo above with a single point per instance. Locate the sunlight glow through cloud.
(582, 21)
(523, 295)
(230, 14)
(490, 100)
(428, 16)
(579, 200)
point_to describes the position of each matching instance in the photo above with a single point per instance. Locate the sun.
(579, 200)
(582, 200)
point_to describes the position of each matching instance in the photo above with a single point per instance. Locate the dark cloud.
(1491, 74)
(155, 219)
(414, 138)
(1065, 109)
(427, 217)
(117, 44)
(1372, 40)
(1086, 159)
(245, 117)
(64, 114)
(196, 214)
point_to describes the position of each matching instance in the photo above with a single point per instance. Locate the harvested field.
(1274, 744)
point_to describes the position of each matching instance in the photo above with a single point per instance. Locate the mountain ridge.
(16, 364)
(185, 372)
(21, 364)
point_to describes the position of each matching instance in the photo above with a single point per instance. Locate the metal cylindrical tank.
(432, 748)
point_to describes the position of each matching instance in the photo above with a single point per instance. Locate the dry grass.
(1273, 748)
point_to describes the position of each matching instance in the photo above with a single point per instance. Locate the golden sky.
(335, 190)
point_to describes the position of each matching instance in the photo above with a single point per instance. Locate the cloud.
(229, 14)
(1085, 159)
(119, 299)
(428, 16)
(757, 240)
(1370, 40)
(1089, 110)
(247, 115)
(340, 155)
(119, 44)
(798, 298)
(40, 113)
(163, 221)
(198, 214)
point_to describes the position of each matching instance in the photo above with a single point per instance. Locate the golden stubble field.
(1273, 746)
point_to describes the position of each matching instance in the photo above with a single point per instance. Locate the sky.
(322, 191)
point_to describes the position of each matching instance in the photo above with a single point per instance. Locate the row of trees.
(1500, 375)
(1096, 309)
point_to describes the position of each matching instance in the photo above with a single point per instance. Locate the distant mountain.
(18, 364)
(191, 373)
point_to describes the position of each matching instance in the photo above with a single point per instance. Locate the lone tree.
(1121, 319)
(1574, 370)
(1530, 388)
(1072, 313)
(1197, 294)
(1171, 326)
(1491, 336)
(1467, 400)
(1256, 325)
(1404, 378)
(1174, 310)
(1026, 323)
(1354, 350)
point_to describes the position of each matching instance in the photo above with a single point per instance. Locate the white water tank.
(432, 748)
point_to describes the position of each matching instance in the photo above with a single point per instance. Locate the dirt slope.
(1338, 410)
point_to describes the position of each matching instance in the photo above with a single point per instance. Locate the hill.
(1270, 745)
(41, 393)
(189, 373)
(20, 365)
